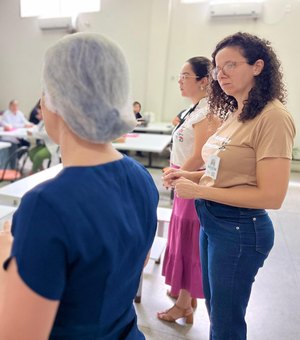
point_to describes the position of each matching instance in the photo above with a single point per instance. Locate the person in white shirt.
(13, 118)
(181, 266)
(45, 147)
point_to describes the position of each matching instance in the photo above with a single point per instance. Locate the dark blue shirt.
(82, 238)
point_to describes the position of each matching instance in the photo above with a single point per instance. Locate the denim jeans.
(234, 243)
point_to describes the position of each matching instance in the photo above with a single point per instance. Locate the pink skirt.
(181, 266)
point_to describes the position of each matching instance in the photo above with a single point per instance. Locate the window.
(57, 8)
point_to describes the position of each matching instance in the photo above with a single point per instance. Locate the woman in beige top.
(247, 171)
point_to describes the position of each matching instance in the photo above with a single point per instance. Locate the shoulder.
(200, 112)
(45, 195)
(276, 109)
(136, 170)
(6, 113)
(273, 129)
(276, 115)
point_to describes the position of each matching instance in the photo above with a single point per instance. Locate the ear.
(203, 82)
(258, 66)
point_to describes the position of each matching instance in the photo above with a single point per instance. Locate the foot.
(173, 296)
(194, 303)
(176, 312)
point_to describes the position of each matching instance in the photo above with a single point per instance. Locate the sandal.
(193, 301)
(186, 313)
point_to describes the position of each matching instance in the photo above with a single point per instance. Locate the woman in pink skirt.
(181, 266)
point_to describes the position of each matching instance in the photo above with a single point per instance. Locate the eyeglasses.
(226, 69)
(185, 76)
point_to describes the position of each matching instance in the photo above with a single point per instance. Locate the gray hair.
(85, 80)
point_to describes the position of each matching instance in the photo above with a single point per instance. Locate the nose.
(221, 73)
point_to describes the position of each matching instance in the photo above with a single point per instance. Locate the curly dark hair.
(268, 84)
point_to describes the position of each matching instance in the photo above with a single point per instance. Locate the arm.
(6, 122)
(176, 121)
(147, 258)
(38, 131)
(268, 194)
(201, 134)
(25, 122)
(24, 314)
(202, 131)
(5, 247)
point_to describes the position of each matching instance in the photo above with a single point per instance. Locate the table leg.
(150, 159)
(138, 295)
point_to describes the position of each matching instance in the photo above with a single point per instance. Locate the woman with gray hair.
(82, 238)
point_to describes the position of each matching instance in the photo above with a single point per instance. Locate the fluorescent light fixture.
(216, 2)
(31, 8)
(57, 8)
(192, 1)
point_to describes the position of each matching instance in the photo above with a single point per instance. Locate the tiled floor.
(274, 308)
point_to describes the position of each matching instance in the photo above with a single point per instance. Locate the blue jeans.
(234, 243)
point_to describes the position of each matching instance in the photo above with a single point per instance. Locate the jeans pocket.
(264, 233)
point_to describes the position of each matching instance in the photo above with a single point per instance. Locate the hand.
(169, 176)
(5, 241)
(176, 121)
(185, 188)
(8, 127)
(121, 139)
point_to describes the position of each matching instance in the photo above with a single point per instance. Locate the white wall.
(157, 36)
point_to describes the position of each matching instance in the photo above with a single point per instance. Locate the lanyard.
(183, 120)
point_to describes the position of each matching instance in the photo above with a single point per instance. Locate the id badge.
(212, 166)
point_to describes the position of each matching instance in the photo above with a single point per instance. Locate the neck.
(241, 97)
(78, 152)
(196, 99)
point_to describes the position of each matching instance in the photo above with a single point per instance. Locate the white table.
(4, 153)
(4, 145)
(158, 127)
(147, 142)
(11, 194)
(16, 133)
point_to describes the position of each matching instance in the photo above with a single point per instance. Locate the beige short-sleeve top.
(241, 145)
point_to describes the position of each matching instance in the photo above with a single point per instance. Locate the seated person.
(137, 110)
(13, 118)
(36, 115)
(45, 148)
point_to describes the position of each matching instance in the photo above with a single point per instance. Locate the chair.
(19, 158)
